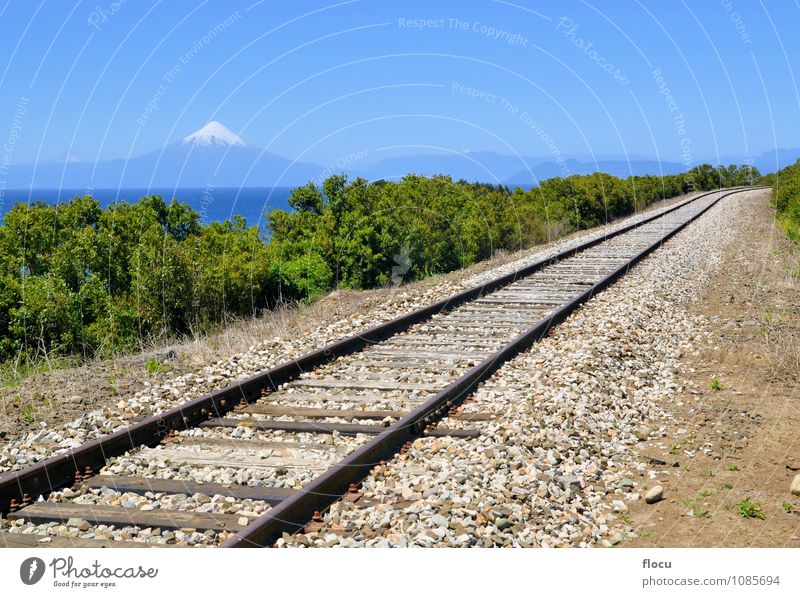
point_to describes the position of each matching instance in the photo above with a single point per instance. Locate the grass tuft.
(751, 509)
(153, 367)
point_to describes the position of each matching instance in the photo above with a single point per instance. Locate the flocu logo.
(31, 571)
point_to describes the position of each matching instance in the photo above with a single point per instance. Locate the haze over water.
(213, 204)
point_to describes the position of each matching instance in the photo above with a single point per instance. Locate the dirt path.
(736, 429)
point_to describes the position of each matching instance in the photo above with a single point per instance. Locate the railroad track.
(242, 465)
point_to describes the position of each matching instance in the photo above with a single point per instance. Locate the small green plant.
(28, 411)
(732, 467)
(154, 367)
(788, 507)
(696, 508)
(707, 473)
(728, 486)
(715, 384)
(674, 450)
(751, 509)
(647, 535)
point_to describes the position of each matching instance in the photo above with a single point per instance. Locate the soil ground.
(736, 429)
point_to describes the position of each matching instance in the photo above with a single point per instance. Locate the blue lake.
(213, 204)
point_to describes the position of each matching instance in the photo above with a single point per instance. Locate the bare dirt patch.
(728, 457)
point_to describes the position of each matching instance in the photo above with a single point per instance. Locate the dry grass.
(780, 332)
(291, 320)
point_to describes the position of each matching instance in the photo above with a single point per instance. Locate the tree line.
(78, 279)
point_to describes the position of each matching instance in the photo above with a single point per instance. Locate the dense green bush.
(352, 234)
(78, 279)
(75, 278)
(786, 195)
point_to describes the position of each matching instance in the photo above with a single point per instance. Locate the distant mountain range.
(212, 155)
(492, 167)
(216, 156)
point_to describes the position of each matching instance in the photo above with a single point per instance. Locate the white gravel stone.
(656, 494)
(554, 467)
(795, 487)
(152, 399)
(546, 471)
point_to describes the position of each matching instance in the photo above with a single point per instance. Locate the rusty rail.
(61, 470)
(294, 512)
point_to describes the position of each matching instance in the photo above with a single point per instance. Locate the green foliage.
(732, 467)
(152, 366)
(715, 384)
(28, 412)
(355, 232)
(787, 506)
(13, 372)
(750, 509)
(76, 279)
(786, 196)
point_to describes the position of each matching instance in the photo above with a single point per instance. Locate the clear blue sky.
(324, 80)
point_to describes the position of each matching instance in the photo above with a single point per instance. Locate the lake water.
(213, 204)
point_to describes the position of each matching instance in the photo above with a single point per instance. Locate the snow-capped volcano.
(214, 134)
(68, 158)
(214, 155)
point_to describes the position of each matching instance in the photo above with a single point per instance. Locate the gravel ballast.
(154, 398)
(554, 468)
(557, 467)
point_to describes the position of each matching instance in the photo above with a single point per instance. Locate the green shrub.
(152, 366)
(750, 509)
(76, 279)
(786, 198)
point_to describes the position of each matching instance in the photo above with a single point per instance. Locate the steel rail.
(294, 512)
(59, 470)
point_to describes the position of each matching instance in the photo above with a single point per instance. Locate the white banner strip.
(445, 572)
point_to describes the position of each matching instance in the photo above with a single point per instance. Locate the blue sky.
(326, 80)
